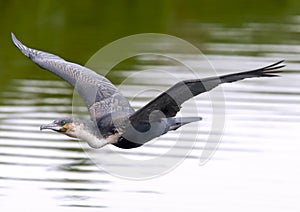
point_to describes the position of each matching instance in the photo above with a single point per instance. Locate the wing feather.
(170, 101)
(100, 96)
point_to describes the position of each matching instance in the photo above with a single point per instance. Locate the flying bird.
(112, 119)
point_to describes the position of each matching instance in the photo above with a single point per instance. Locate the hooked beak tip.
(52, 126)
(44, 127)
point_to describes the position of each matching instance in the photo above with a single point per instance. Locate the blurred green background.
(77, 29)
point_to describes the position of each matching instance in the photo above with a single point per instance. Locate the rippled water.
(255, 165)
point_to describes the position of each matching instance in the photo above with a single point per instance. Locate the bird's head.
(64, 126)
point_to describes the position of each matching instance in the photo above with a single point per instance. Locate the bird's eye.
(63, 122)
(114, 131)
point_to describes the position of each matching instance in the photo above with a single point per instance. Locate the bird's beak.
(51, 126)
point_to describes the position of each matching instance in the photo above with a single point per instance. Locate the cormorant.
(113, 120)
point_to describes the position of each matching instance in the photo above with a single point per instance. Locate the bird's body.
(113, 120)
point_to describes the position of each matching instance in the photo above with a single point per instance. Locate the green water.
(76, 30)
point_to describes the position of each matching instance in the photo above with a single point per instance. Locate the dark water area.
(255, 165)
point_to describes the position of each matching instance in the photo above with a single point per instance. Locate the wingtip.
(14, 39)
(19, 45)
(273, 69)
(280, 64)
(280, 61)
(275, 65)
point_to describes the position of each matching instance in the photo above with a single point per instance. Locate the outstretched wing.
(100, 96)
(169, 102)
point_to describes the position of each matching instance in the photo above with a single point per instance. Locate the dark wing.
(100, 96)
(169, 102)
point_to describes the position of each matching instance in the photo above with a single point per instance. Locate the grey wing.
(169, 102)
(100, 96)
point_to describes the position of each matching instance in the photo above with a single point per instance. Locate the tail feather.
(180, 121)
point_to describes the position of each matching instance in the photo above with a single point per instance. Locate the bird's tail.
(180, 121)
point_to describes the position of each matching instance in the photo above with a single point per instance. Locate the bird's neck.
(88, 131)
